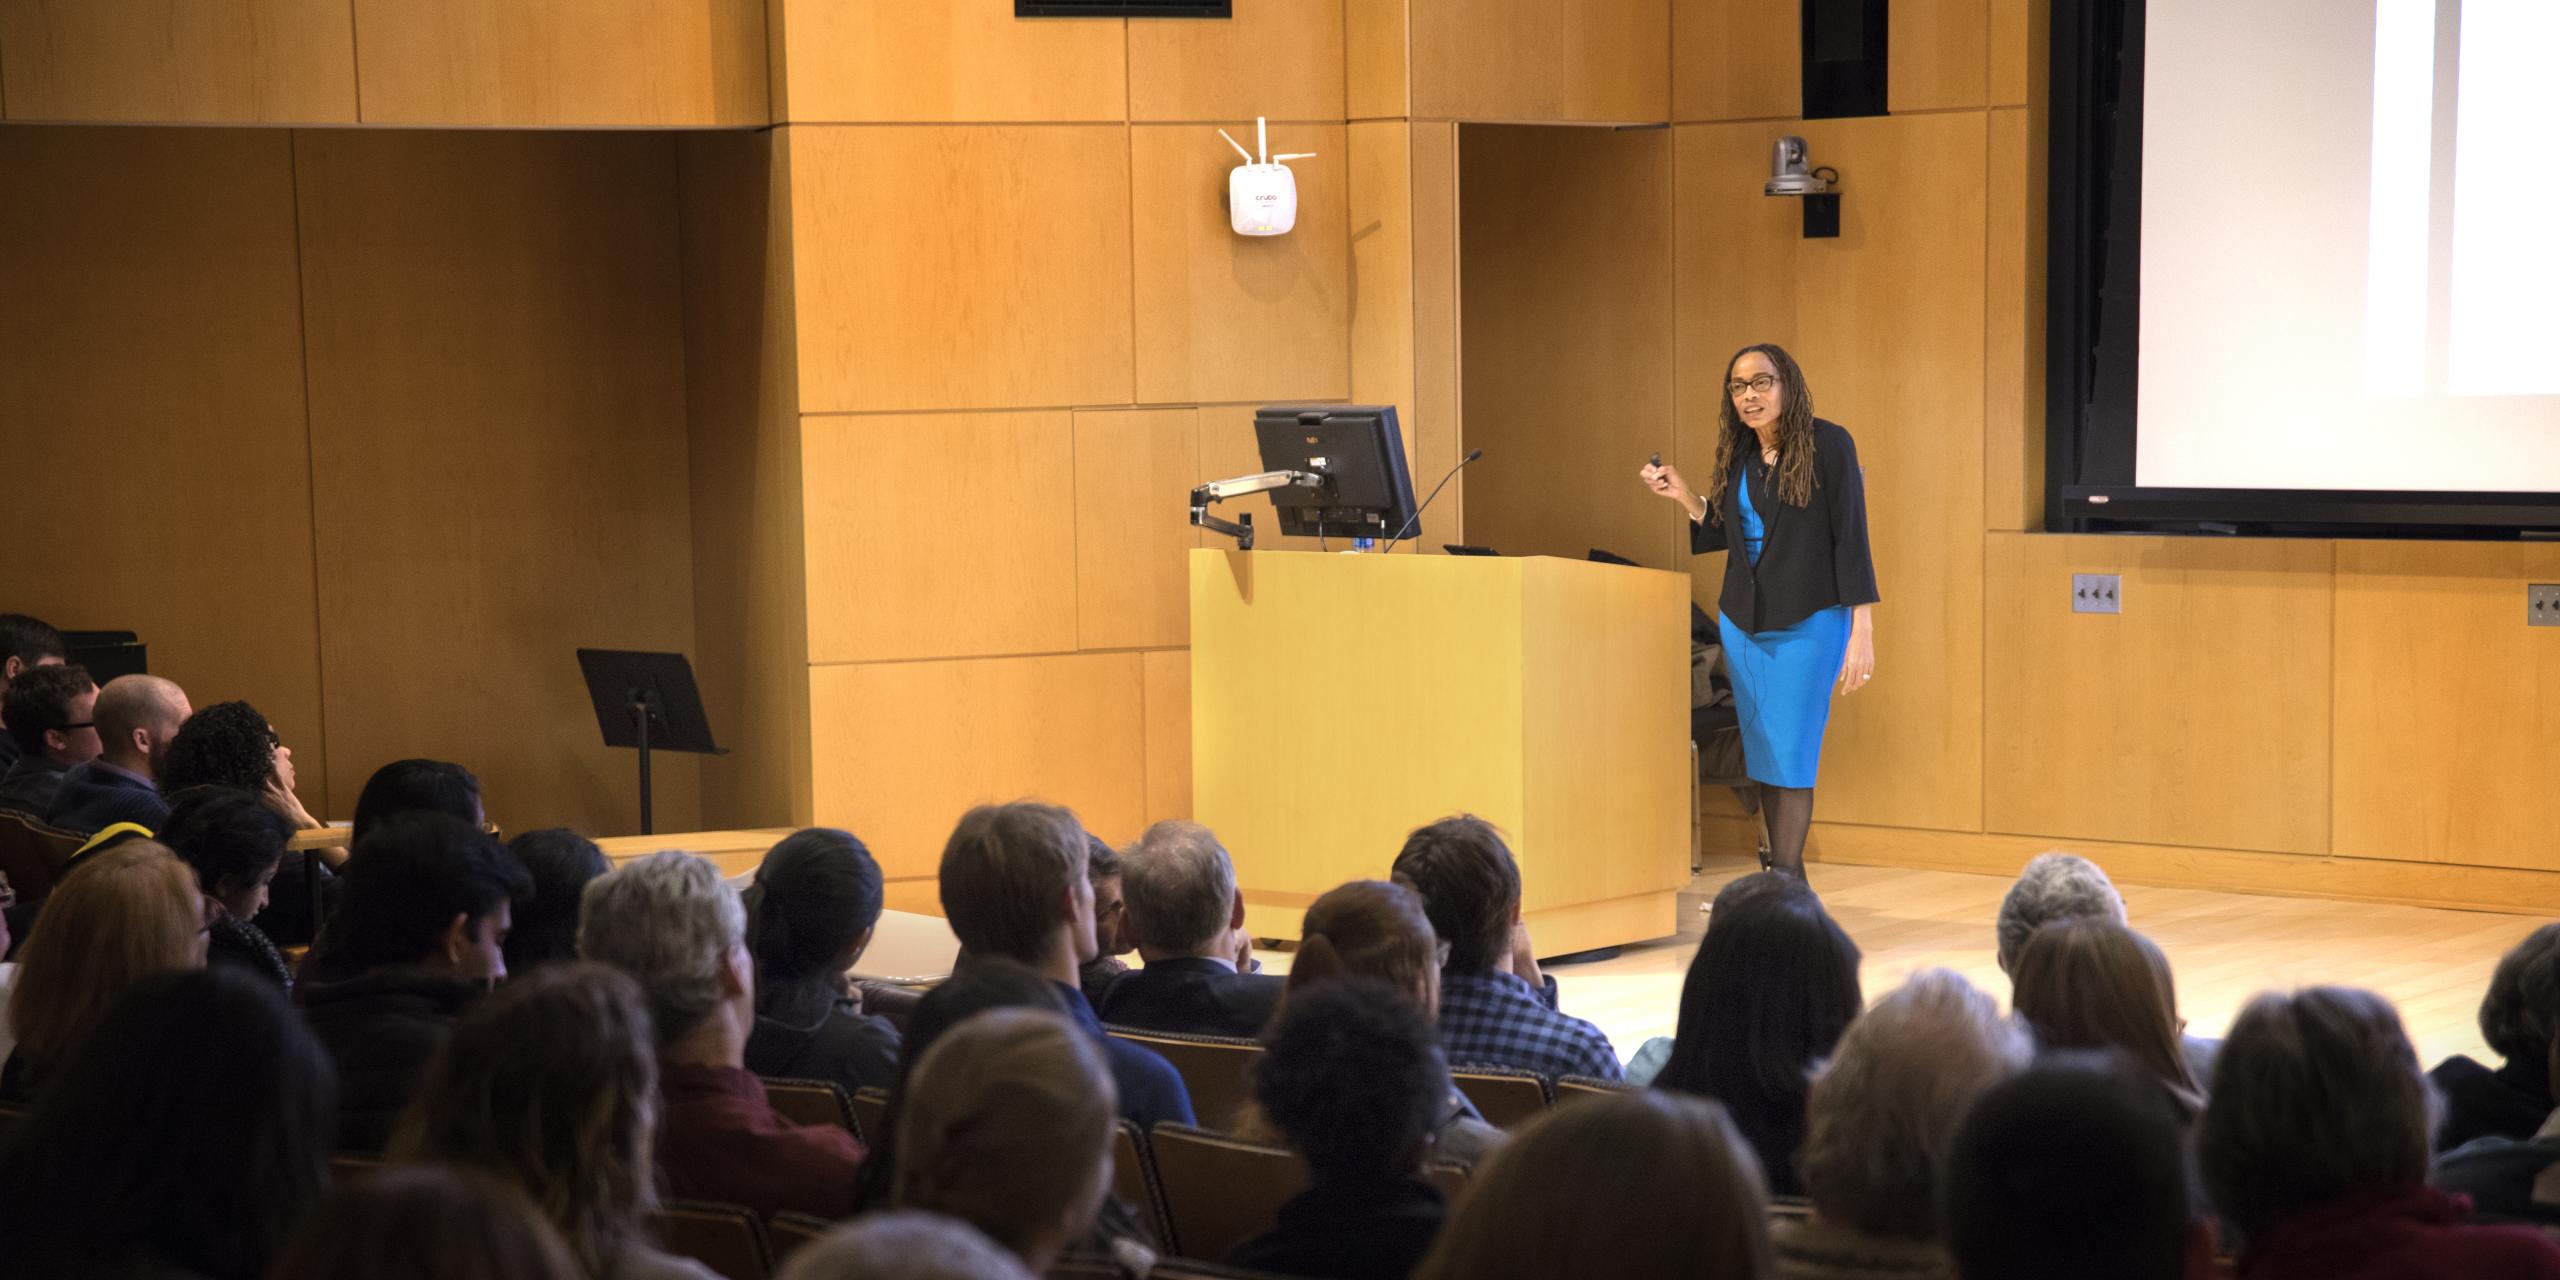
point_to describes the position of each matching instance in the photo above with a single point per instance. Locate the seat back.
(1450, 1178)
(32, 854)
(1217, 1070)
(1219, 1191)
(786, 1232)
(1578, 1088)
(1134, 1181)
(818, 1103)
(724, 1237)
(1508, 1099)
(871, 1113)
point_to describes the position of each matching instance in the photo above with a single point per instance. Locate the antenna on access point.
(1248, 156)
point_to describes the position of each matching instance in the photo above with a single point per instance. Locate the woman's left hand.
(1859, 666)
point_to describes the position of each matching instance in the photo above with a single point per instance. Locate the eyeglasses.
(84, 724)
(1760, 383)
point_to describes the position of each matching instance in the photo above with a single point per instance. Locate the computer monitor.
(1358, 450)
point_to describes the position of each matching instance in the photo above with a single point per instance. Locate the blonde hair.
(119, 917)
(1007, 1125)
(1584, 1190)
(2094, 984)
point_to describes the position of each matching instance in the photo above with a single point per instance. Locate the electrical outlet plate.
(2097, 593)
(2542, 604)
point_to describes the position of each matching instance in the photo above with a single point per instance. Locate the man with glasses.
(50, 714)
(25, 644)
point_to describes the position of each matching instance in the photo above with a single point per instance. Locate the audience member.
(234, 844)
(230, 745)
(1643, 1185)
(2516, 1019)
(25, 644)
(810, 914)
(1007, 1127)
(414, 786)
(1352, 1076)
(905, 1244)
(2314, 1146)
(426, 1222)
(1878, 1122)
(2056, 886)
(8, 984)
(1188, 917)
(137, 717)
(561, 862)
(551, 1086)
(1111, 936)
(414, 939)
(185, 1134)
(977, 985)
(1496, 1008)
(51, 713)
(678, 929)
(123, 916)
(1014, 885)
(2095, 984)
(2075, 1167)
(1771, 988)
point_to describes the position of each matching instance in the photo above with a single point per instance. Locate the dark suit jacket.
(29, 785)
(93, 798)
(1199, 997)
(1812, 557)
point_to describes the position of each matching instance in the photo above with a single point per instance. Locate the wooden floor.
(2225, 947)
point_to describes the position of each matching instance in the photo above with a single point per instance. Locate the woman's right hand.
(1665, 480)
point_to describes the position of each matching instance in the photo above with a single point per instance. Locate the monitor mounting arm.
(1242, 486)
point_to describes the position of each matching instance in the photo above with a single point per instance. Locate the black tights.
(1787, 813)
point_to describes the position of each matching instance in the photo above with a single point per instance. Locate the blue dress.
(1782, 680)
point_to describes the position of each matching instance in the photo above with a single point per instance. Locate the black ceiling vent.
(1124, 8)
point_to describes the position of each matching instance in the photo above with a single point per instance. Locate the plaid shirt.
(1498, 1019)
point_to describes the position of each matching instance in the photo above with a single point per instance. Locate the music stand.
(648, 701)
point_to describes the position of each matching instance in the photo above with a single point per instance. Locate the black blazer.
(1812, 557)
(1198, 997)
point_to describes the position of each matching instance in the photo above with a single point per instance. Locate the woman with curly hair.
(230, 745)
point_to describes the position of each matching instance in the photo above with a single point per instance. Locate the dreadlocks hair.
(1735, 444)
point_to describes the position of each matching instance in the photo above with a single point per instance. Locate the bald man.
(137, 716)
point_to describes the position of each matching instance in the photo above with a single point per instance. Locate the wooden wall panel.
(2013, 332)
(179, 61)
(151, 396)
(1282, 59)
(498, 452)
(2199, 716)
(1438, 426)
(940, 535)
(2020, 53)
(903, 749)
(742, 407)
(1168, 691)
(1381, 292)
(933, 61)
(1937, 52)
(1133, 533)
(1566, 306)
(1887, 321)
(562, 62)
(1541, 61)
(1736, 60)
(1224, 317)
(1024, 303)
(1373, 57)
(2447, 705)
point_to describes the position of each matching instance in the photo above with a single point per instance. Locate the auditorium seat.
(817, 1103)
(1094, 1266)
(1219, 1191)
(724, 1237)
(1135, 1183)
(787, 1231)
(1508, 1098)
(1218, 1070)
(31, 853)
(871, 1113)
(1578, 1088)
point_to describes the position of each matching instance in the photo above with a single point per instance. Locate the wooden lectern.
(1339, 701)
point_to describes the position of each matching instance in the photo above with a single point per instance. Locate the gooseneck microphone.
(1411, 524)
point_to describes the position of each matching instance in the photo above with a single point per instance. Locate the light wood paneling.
(934, 61)
(1132, 528)
(1438, 427)
(2013, 324)
(1023, 302)
(1374, 58)
(1541, 61)
(2447, 705)
(1736, 60)
(2199, 716)
(498, 452)
(1381, 194)
(151, 396)
(940, 535)
(1938, 52)
(1566, 305)
(1168, 691)
(2020, 56)
(562, 62)
(741, 391)
(1282, 59)
(179, 61)
(903, 749)
(1887, 321)
(1227, 317)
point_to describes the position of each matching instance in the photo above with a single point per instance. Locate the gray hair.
(2316, 1096)
(1180, 886)
(1884, 1109)
(905, 1244)
(2054, 886)
(671, 922)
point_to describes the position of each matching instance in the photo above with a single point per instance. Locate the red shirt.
(2413, 1233)
(720, 1140)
